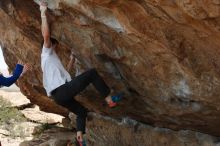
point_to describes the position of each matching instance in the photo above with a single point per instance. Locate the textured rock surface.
(51, 137)
(28, 123)
(34, 114)
(163, 53)
(16, 98)
(14, 128)
(105, 131)
(20, 132)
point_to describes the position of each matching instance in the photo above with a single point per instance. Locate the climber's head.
(53, 41)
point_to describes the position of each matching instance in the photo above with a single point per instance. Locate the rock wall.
(164, 54)
(106, 131)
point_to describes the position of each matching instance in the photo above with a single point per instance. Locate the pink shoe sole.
(112, 104)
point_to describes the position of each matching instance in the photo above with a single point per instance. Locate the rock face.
(164, 54)
(105, 131)
(44, 129)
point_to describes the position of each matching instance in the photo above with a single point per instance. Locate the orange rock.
(166, 54)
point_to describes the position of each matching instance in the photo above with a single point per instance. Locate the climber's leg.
(80, 82)
(63, 98)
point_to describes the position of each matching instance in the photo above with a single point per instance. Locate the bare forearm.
(70, 64)
(44, 25)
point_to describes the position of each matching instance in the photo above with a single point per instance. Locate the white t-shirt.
(3, 65)
(54, 74)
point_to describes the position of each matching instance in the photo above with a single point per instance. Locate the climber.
(59, 85)
(20, 69)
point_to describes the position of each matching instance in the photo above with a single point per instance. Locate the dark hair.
(53, 41)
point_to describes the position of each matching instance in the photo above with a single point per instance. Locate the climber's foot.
(76, 143)
(117, 97)
(80, 143)
(112, 101)
(112, 104)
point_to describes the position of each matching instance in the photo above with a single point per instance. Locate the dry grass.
(10, 117)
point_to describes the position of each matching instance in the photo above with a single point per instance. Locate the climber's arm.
(20, 69)
(45, 26)
(70, 64)
(8, 81)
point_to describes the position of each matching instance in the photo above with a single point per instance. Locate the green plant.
(9, 114)
(10, 117)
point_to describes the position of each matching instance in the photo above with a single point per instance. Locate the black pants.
(64, 94)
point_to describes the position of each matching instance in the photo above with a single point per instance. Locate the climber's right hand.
(26, 68)
(43, 7)
(72, 55)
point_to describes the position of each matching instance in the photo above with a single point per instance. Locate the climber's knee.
(93, 71)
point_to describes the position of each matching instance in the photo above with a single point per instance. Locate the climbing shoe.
(80, 143)
(76, 143)
(115, 99)
(112, 104)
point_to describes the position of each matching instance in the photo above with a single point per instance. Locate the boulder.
(163, 54)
